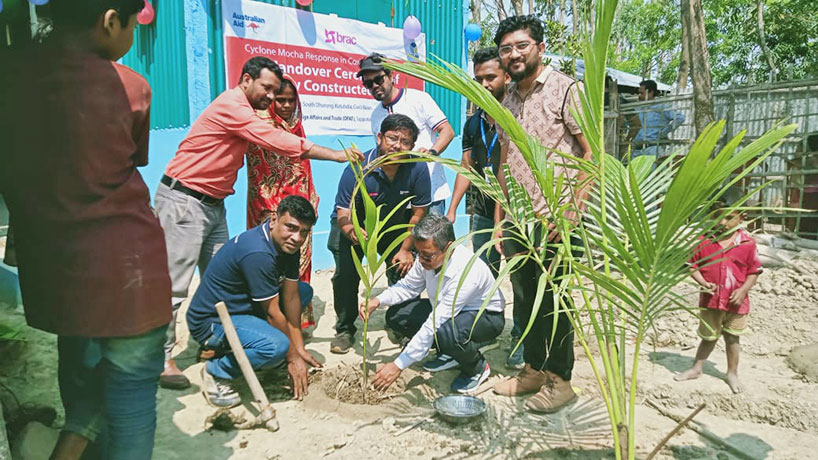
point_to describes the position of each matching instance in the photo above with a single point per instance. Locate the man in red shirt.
(91, 253)
(189, 200)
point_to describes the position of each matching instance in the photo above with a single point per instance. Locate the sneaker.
(515, 359)
(218, 392)
(440, 363)
(341, 343)
(527, 381)
(466, 384)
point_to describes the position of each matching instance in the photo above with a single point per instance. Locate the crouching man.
(256, 275)
(456, 337)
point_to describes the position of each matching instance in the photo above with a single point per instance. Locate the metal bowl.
(460, 408)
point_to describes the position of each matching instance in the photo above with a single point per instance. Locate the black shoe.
(341, 343)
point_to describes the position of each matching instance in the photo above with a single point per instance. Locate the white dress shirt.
(475, 288)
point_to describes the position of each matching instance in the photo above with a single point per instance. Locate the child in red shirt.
(726, 269)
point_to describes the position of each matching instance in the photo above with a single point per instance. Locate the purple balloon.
(411, 28)
(38, 2)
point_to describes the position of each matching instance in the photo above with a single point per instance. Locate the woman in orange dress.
(271, 177)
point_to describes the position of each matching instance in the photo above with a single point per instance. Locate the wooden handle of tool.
(241, 357)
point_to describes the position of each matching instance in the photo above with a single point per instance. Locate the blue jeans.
(108, 388)
(438, 207)
(490, 257)
(262, 342)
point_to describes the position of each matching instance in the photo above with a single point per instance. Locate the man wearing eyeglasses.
(388, 185)
(435, 131)
(460, 320)
(542, 100)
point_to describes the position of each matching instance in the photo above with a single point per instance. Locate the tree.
(693, 21)
(684, 60)
(762, 40)
(517, 6)
(501, 10)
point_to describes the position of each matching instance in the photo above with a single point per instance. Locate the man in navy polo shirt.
(388, 185)
(256, 275)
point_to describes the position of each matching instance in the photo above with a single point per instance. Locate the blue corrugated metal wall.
(158, 53)
(442, 22)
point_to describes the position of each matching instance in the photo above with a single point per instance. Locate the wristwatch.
(434, 152)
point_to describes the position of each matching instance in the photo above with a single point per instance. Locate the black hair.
(254, 65)
(398, 121)
(377, 58)
(298, 207)
(67, 13)
(530, 23)
(485, 55)
(649, 85)
(286, 84)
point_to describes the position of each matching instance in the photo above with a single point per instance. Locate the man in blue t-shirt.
(256, 275)
(387, 185)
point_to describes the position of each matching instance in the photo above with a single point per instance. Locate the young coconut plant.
(369, 234)
(640, 227)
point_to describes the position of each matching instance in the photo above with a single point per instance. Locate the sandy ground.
(776, 418)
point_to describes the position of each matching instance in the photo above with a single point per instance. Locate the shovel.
(267, 415)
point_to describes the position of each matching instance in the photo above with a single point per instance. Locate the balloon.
(473, 32)
(1, 6)
(147, 15)
(38, 2)
(303, 2)
(411, 28)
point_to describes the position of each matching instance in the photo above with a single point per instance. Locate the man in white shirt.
(435, 131)
(458, 337)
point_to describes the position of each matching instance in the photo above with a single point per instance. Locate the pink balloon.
(411, 28)
(303, 2)
(147, 15)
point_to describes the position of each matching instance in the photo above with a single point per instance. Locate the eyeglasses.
(375, 81)
(521, 48)
(429, 257)
(403, 142)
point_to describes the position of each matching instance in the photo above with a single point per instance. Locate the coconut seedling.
(369, 234)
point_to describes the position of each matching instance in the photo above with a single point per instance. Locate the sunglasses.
(369, 84)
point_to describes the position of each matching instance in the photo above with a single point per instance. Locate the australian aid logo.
(248, 21)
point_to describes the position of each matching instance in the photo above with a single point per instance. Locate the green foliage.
(791, 27)
(647, 36)
(369, 235)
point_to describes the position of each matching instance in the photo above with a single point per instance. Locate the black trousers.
(539, 350)
(346, 281)
(454, 338)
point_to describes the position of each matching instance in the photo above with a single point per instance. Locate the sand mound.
(345, 383)
(804, 360)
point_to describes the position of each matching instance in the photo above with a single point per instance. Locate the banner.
(321, 53)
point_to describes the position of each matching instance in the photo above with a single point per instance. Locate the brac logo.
(335, 37)
(253, 23)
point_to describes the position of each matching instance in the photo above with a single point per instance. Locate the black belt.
(176, 185)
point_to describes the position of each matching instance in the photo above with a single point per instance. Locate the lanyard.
(489, 148)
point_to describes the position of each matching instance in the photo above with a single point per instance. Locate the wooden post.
(241, 356)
